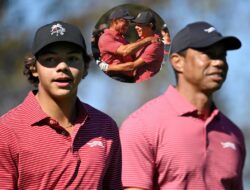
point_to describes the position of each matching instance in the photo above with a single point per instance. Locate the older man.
(181, 140)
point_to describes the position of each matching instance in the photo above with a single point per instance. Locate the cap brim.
(46, 44)
(138, 21)
(128, 17)
(229, 42)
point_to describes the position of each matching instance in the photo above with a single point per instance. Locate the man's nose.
(62, 65)
(220, 63)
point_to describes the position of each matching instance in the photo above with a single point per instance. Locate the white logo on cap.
(209, 30)
(57, 29)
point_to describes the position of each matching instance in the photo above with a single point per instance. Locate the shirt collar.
(35, 113)
(181, 105)
(32, 109)
(178, 102)
(82, 112)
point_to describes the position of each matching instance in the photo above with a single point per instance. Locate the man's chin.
(213, 88)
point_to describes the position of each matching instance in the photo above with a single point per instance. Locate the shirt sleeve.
(8, 168)
(112, 178)
(108, 43)
(138, 161)
(152, 52)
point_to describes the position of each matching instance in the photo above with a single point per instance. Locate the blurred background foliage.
(19, 20)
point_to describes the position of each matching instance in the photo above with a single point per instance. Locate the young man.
(181, 140)
(52, 140)
(114, 48)
(148, 59)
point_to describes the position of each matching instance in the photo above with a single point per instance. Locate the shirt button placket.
(75, 152)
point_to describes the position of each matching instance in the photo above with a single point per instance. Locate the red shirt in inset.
(108, 44)
(152, 55)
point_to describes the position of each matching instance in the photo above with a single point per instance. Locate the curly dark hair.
(30, 64)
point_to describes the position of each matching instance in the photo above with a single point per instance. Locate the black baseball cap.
(57, 31)
(120, 13)
(144, 18)
(201, 35)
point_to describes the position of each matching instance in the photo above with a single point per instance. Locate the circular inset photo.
(130, 43)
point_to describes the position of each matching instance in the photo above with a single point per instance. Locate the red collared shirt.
(152, 55)
(108, 44)
(36, 153)
(165, 145)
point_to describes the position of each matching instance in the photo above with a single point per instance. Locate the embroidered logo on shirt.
(228, 145)
(209, 30)
(57, 29)
(96, 143)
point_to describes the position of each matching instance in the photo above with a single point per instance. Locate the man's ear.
(33, 70)
(177, 62)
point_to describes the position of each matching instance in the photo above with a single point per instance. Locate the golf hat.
(120, 13)
(201, 35)
(144, 18)
(57, 31)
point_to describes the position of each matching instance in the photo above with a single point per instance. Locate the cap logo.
(57, 29)
(139, 15)
(209, 30)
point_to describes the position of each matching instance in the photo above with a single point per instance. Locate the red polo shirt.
(152, 55)
(108, 44)
(36, 153)
(165, 145)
